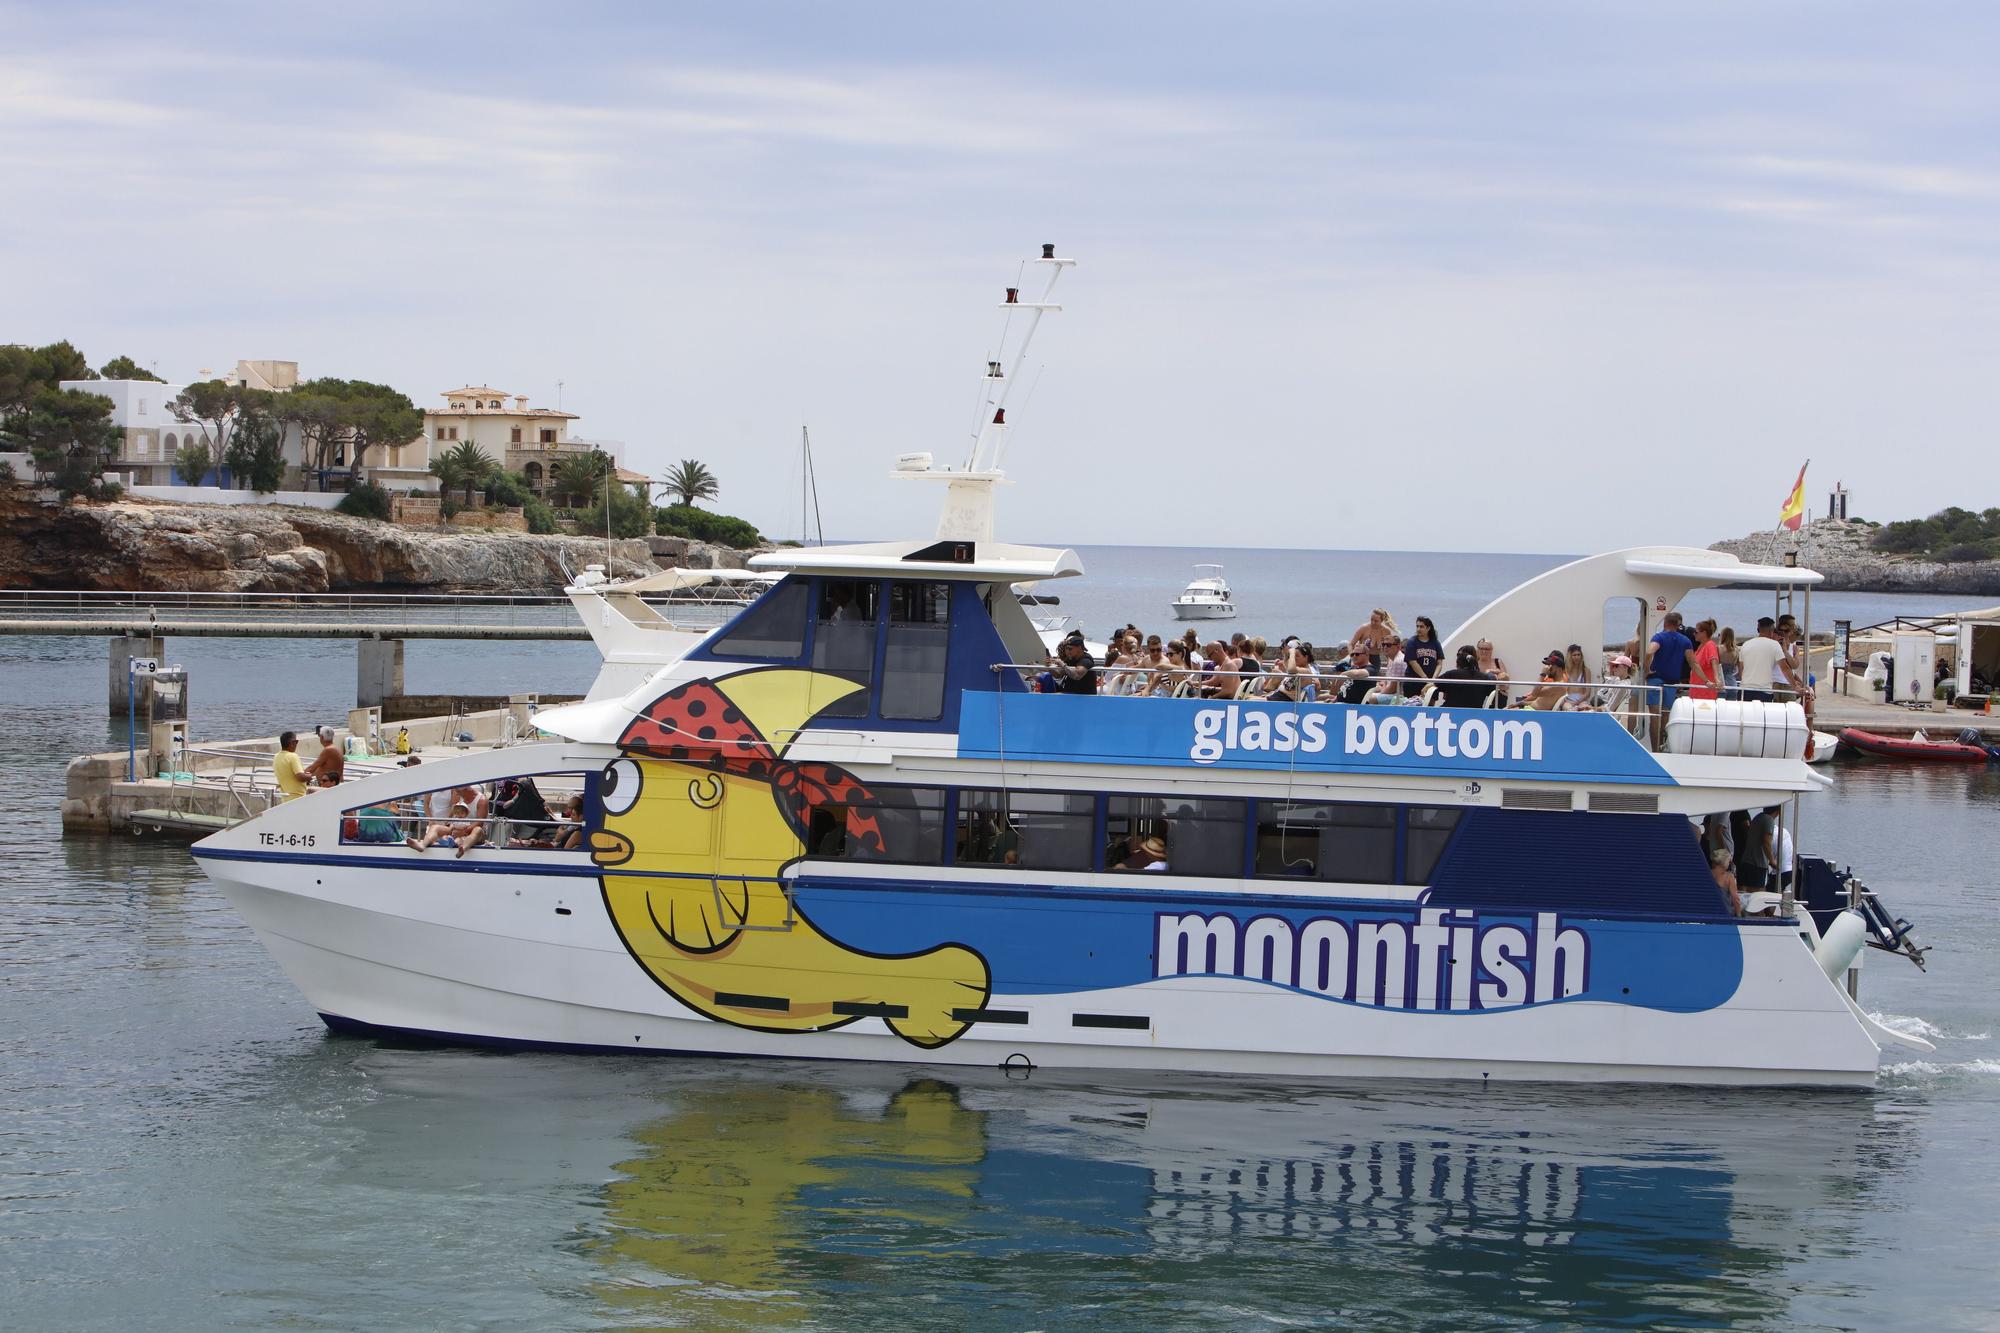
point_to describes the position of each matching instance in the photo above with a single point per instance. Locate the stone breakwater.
(154, 546)
(1840, 550)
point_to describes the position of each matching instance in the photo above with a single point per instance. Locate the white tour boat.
(1206, 597)
(842, 826)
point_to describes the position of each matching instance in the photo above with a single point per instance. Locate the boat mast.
(968, 505)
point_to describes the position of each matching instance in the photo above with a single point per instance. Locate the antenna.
(989, 446)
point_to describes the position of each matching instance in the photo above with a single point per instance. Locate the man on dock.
(287, 768)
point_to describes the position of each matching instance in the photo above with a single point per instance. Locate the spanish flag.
(1794, 512)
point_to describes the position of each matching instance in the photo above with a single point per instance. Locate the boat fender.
(1840, 942)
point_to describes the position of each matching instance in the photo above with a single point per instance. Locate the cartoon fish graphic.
(701, 820)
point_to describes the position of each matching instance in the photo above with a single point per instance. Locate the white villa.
(149, 435)
(524, 439)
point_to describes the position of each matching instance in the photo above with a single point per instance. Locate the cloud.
(1361, 257)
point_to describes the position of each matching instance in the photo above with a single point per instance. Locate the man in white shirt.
(1763, 659)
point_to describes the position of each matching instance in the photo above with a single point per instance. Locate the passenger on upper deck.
(1552, 692)
(1666, 657)
(1465, 685)
(1705, 665)
(1299, 681)
(1075, 673)
(1576, 671)
(1221, 681)
(1424, 656)
(1491, 663)
(1366, 642)
(1763, 658)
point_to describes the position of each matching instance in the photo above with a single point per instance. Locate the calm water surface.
(182, 1145)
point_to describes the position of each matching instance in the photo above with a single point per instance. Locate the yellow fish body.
(691, 862)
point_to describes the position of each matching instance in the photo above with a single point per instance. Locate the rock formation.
(155, 546)
(1840, 550)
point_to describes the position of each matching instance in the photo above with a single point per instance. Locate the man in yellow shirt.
(288, 769)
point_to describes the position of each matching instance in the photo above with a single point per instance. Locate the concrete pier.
(123, 649)
(378, 671)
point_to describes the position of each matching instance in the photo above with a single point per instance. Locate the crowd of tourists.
(1379, 664)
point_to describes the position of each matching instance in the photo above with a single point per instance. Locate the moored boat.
(1918, 747)
(843, 826)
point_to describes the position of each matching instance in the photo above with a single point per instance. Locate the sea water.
(183, 1146)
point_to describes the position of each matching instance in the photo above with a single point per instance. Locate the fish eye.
(618, 788)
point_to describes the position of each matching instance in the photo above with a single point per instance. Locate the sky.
(1425, 276)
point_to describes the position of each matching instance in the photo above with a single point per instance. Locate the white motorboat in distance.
(1207, 597)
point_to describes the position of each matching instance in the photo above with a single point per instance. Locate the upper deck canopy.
(980, 561)
(1567, 604)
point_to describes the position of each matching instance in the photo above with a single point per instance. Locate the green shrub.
(702, 526)
(7, 477)
(630, 516)
(106, 490)
(540, 517)
(509, 489)
(367, 500)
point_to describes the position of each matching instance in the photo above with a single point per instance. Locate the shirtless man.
(331, 766)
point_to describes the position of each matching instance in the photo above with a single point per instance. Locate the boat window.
(1041, 830)
(913, 658)
(530, 812)
(1428, 830)
(1202, 836)
(1326, 841)
(844, 641)
(772, 630)
(909, 819)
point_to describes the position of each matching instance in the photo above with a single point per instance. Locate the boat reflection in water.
(768, 1198)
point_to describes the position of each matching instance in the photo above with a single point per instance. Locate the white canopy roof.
(1706, 569)
(1001, 561)
(680, 580)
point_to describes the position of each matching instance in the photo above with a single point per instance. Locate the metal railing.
(488, 609)
(1637, 701)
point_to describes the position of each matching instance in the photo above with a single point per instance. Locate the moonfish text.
(1443, 960)
(1420, 732)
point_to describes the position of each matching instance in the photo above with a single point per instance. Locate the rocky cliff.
(143, 544)
(1840, 550)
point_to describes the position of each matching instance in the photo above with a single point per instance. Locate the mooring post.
(123, 649)
(378, 671)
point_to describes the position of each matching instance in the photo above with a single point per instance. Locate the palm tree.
(580, 476)
(464, 464)
(689, 481)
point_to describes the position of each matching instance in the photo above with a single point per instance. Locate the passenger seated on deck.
(461, 829)
(1149, 853)
(1465, 685)
(1220, 681)
(1495, 669)
(1174, 670)
(1298, 682)
(569, 834)
(526, 813)
(1550, 694)
(1577, 672)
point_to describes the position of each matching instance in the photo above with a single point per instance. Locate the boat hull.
(1204, 611)
(522, 959)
